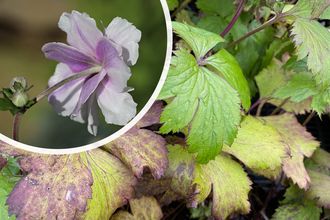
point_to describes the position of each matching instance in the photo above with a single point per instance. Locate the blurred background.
(26, 25)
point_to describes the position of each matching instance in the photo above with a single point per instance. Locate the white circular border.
(126, 127)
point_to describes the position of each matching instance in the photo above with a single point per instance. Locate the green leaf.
(296, 207)
(229, 183)
(204, 102)
(300, 144)
(311, 40)
(141, 148)
(172, 4)
(259, 147)
(112, 184)
(227, 66)
(300, 87)
(199, 40)
(321, 101)
(8, 180)
(310, 9)
(145, 208)
(219, 7)
(55, 187)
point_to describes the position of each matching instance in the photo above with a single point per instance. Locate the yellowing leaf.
(112, 184)
(299, 144)
(230, 186)
(259, 146)
(145, 208)
(56, 187)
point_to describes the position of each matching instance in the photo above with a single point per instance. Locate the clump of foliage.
(203, 145)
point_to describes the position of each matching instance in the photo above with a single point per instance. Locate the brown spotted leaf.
(141, 148)
(145, 208)
(299, 143)
(56, 187)
(112, 184)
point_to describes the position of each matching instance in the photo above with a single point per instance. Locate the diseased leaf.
(296, 207)
(112, 186)
(229, 183)
(299, 144)
(55, 187)
(204, 102)
(199, 40)
(311, 39)
(8, 178)
(145, 208)
(227, 66)
(300, 87)
(259, 146)
(141, 148)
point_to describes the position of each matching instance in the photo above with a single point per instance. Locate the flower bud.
(18, 84)
(20, 99)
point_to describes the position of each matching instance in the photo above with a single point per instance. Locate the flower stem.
(50, 90)
(16, 124)
(268, 23)
(234, 19)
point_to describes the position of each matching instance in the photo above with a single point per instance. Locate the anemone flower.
(111, 53)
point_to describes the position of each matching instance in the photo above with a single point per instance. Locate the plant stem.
(277, 110)
(16, 124)
(262, 103)
(181, 6)
(50, 90)
(234, 19)
(309, 118)
(270, 22)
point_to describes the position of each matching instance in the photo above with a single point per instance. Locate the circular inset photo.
(75, 74)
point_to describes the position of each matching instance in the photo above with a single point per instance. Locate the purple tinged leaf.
(56, 187)
(141, 148)
(3, 162)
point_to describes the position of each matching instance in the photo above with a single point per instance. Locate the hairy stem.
(16, 124)
(234, 19)
(268, 23)
(50, 90)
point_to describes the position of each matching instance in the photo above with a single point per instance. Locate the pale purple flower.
(114, 51)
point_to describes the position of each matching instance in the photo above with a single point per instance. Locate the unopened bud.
(18, 84)
(20, 99)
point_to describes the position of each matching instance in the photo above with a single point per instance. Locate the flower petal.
(64, 99)
(117, 69)
(88, 88)
(126, 35)
(88, 113)
(82, 31)
(117, 107)
(63, 53)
